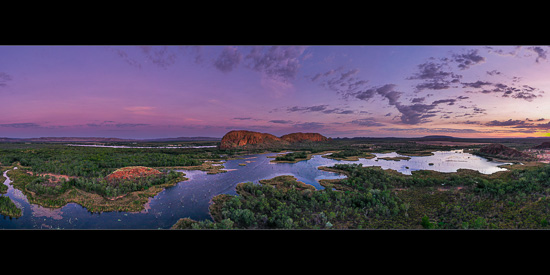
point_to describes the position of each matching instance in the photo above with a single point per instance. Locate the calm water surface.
(191, 198)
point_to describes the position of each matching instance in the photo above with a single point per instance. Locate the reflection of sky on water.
(191, 198)
(443, 161)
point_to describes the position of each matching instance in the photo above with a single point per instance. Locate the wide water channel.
(191, 198)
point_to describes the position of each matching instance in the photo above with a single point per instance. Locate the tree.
(426, 223)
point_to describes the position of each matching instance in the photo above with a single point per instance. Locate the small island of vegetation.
(126, 189)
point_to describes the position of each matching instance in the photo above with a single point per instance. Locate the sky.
(159, 91)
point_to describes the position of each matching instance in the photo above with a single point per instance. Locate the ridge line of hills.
(201, 138)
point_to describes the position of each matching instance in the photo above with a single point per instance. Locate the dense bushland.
(373, 198)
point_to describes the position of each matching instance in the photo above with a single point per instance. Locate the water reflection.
(191, 198)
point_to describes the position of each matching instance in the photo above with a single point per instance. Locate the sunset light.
(340, 91)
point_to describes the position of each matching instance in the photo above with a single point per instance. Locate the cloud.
(541, 53)
(280, 121)
(4, 77)
(228, 59)
(110, 123)
(320, 108)
(434, 76)
(410, 114)
(448, 101)
(525, 92)
(468, 59)
(337, 80)
(124, 56)
(387, 91)
(493, 72)
(338, 111)
(277, 62)
(160, 56)
(477, 84)
(123, 125)
(367, 122)
(433, 130)
(242, 118)
(501, 52)
(196, 52)
(521, 124)
(509, 122)
(20, 125)
(316, 108)
(468, 122)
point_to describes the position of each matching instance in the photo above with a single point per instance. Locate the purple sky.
(338, 91)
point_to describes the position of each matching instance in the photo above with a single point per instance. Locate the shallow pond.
(191, 198)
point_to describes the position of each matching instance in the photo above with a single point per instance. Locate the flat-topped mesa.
(243, 139)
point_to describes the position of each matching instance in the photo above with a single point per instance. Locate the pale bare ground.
(451, 143)
(53, 177)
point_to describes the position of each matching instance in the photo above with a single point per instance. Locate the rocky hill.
(499, 150)
(544, 145)
(300, 137)
(250, 139)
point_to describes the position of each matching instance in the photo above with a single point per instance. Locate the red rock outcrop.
(299, 137)
(242, 138)
(503, 151)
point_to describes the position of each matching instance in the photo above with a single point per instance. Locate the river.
(191, 198)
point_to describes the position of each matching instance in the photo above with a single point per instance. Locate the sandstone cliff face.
(299, 137)
(242, 138)
(235, 139)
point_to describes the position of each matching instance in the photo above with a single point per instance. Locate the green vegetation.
(395, 158)
(3, 187)
(96, 194)
(350, 154)
(292, 156)
(53, 175)
(8, 208)
(97, 162)
(383, 199)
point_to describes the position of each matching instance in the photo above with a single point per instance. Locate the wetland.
(366, 188)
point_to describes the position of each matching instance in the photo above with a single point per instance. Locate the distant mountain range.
(103, 139)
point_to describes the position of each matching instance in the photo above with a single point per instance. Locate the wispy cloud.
(280, 121)
(278, 62)
(228, 59)
(124, 56)
(340, 81)
(20, 125)
(320, 108)
(515, 123)
(4, 78)
(161, 56)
